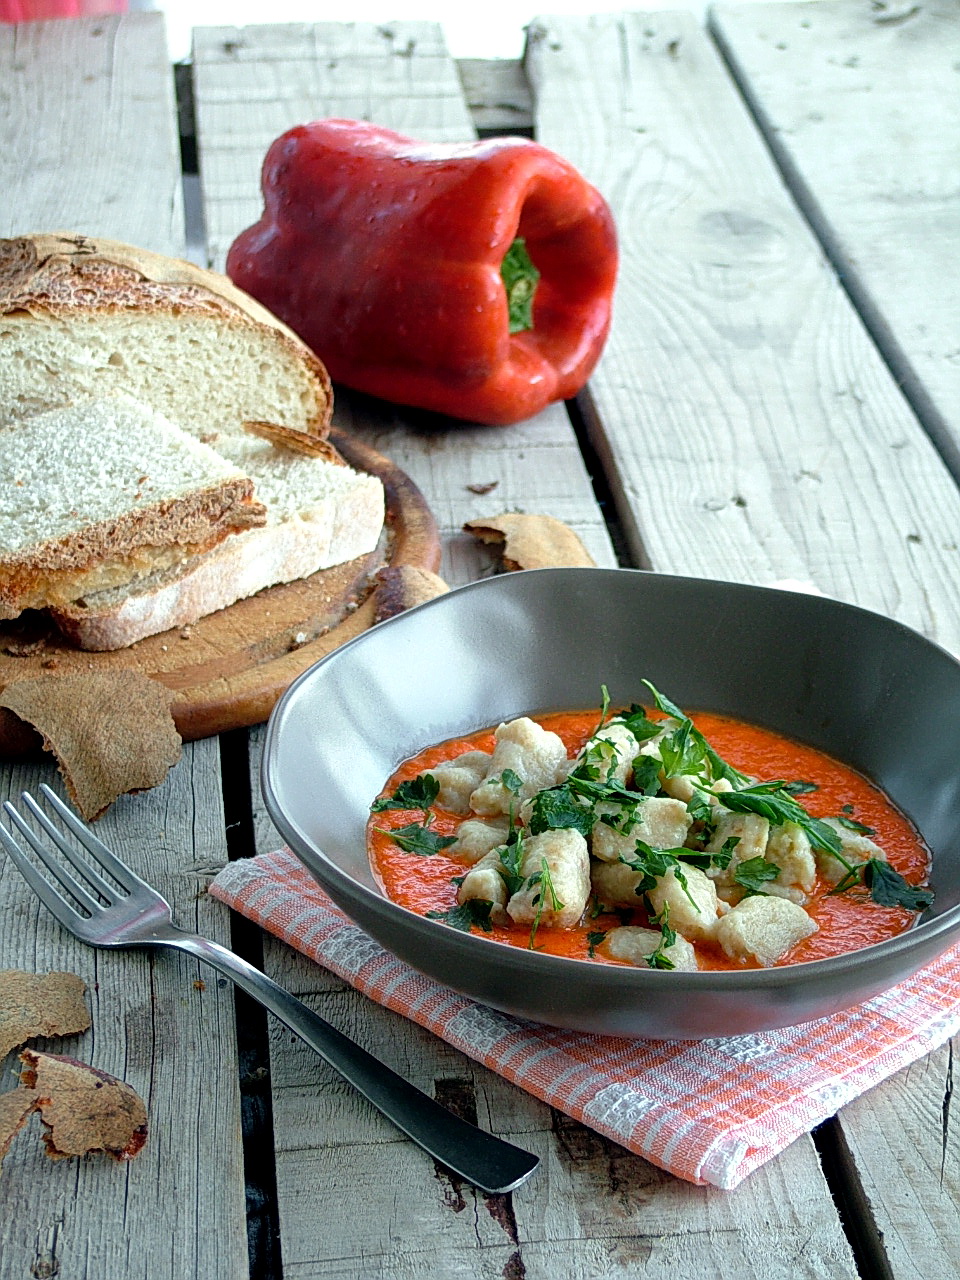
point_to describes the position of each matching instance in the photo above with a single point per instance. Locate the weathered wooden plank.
(861, 107)
(595, 1209)
(102, 158)
(756, 433)
(497, 94)
(164, 1024)
(764, 432)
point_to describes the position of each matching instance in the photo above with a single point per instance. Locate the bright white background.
(489, 29)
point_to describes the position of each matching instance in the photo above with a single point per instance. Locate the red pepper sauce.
(847, 921)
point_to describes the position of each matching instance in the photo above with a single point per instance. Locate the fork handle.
(477, 1156)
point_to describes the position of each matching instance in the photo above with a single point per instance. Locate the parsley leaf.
(754, 873)
(594, 938)
(419, 839)
(889, 889)
(683, 752)
(652, 863)
(800, 787)
(544, 879)
(718, 766)
(646, 775)
(463, 917)
(657, 959)
(771, 801)
(604, 709)
(512, 781)
(558, 807)
(511, 856)
(639, 724)
(719, 858)
(415, 793)
(852, 825)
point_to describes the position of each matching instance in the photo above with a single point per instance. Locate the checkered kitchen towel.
(709, 1111)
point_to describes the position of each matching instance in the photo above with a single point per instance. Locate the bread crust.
(237, 568)
(62, 273)
(60, 570)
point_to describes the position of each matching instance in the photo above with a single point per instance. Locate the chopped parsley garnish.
(658, 959)
(889, 889)
(475, 911)
(772, 801)
(558, 807)
(415, 793)
(544, 879)
(651, 864)
(594, 938)
(852, 824)
(418, 838)
(800, 787)
(640, 724)
(753, 874)
(718, 766)
(511, 857)
(512, 781)
(646, 775)
(719, 858)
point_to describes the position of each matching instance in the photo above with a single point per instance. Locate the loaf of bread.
(83, 318)
(100, 494)
(318, 514)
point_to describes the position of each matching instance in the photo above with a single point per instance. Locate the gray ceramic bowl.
(869, 691)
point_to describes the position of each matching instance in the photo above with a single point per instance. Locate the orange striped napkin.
(709, 1111)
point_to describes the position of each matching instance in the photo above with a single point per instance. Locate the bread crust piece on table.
(102, 314)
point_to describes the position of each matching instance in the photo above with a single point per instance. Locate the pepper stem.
(520, 278)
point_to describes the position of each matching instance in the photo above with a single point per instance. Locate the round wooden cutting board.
(229, 669)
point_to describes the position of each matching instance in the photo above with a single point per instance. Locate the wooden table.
(779, 402)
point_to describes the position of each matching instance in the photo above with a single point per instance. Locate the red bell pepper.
(389, 258)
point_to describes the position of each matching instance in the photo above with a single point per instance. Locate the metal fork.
(135, 915)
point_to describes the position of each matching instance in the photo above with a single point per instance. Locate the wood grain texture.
(754, 431)
(861, 107)
(294, 73)
(860, 104)
(162, 1023)
(88, 131)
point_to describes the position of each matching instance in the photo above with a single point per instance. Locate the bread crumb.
(531, 541)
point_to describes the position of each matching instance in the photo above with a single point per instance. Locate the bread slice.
(83, 318)
(318, 514)
(99, 494)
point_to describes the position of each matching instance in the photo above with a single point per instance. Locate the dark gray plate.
(867, 690)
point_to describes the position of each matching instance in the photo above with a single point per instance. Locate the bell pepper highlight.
(473, 280)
